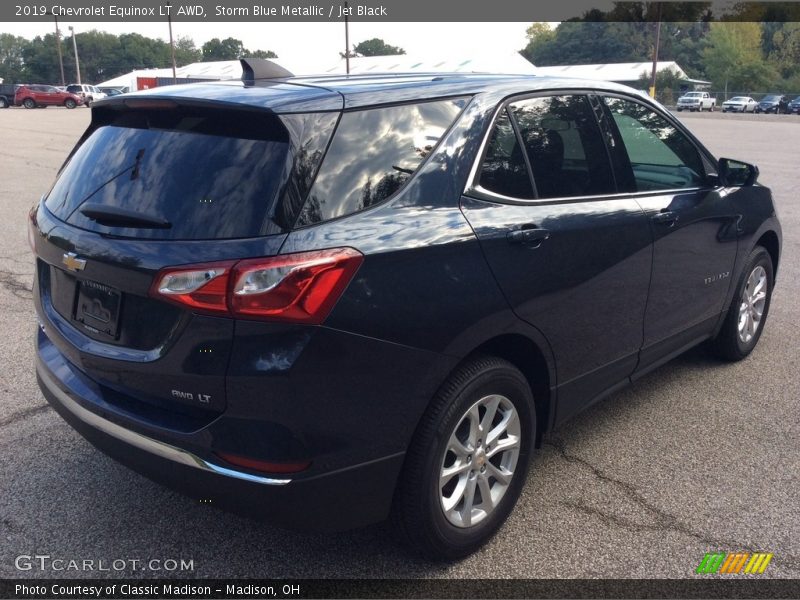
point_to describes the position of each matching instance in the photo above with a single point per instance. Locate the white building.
(310, 65)
(625, 73)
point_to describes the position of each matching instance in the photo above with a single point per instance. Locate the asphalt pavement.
(698, 456)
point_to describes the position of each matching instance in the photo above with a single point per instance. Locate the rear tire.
(3, 102)
(749, 308)
(473, 441)
(29, 103)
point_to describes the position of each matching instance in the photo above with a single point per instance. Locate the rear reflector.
(298, 288)
(264, 466)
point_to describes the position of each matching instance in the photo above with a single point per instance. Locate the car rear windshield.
(181, 174)
(74, 89)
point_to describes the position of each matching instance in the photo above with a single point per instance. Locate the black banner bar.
(203, 589)
(371, 10)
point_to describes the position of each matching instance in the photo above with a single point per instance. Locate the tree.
(260, 54)
(227, 49)
(231, 49)
(41, 61)
(538, 35)
(12, 62)
(376, 47)
(733, 57)
(785, 54)
(186, 52)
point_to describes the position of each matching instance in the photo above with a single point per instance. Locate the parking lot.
(698, 456)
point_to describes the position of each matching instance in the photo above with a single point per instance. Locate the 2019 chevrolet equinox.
(328, 300)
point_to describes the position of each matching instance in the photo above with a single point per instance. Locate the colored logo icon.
(734, 562)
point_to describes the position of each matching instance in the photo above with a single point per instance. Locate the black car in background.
(774, 103)
(325, 301)
(794, 105)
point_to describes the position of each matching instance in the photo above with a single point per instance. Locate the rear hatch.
(154, 184)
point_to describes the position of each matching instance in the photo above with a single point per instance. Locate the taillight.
(202, 287)
(300, 288)
(33, 226)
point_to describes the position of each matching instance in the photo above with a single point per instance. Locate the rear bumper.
(334, 501)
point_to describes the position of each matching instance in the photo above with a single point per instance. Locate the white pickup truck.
(696, 101)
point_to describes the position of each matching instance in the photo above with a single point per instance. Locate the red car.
(32, 96)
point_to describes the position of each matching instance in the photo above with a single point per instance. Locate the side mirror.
(736, 173)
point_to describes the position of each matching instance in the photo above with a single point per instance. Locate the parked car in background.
(739, 104)
(696, 101)
(7, 93)
(794, 106)
(36, 96)
(774, 103)
(89, 93)
(110, 92)
(264, 304)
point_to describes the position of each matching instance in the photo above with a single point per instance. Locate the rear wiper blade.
(119, 217)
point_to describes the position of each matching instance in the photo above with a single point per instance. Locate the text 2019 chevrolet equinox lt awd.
(327, 301)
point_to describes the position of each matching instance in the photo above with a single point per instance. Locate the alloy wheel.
(479, 461)
(751, 307)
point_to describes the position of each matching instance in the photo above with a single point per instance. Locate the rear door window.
(504, 171)
(208, 174)
(564, 145)
(372, 155)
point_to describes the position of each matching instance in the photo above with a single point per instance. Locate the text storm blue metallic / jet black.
(324, 301)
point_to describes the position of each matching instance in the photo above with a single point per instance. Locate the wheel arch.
(527, 356)
(769, 241)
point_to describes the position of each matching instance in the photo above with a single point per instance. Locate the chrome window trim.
(473, 189)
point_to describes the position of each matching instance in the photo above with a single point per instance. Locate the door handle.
(666, 217)
(528, 237)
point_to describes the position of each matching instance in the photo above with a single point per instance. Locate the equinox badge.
(72, 262)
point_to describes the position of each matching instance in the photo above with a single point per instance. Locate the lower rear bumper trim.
(142, 442)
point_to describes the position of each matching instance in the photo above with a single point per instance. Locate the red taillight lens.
(201, 287)
(301, 288)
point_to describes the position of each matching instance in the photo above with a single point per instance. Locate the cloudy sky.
(294, 40)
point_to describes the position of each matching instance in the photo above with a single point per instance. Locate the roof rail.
(261, 68)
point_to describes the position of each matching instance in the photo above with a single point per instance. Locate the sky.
(296, 40)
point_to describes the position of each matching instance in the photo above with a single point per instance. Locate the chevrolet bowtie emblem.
(72, 262)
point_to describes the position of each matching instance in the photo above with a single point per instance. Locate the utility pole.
(346, 40)
(75, 48)
(172, 43)
(58, 49)
(655, 52)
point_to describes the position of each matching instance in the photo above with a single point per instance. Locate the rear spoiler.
(261, 68)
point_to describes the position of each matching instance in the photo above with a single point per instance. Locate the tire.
(743, 324)
(713, 106)
(446, 438)
(3, 102)
(680, 110)
(70, 103)
(29, 103)
(88, 102)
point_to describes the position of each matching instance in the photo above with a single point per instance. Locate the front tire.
(3, 102)
(749, 307)
(29, 103)
(69, 103)
(467, 461)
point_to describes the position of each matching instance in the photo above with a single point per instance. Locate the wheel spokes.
(471, 485)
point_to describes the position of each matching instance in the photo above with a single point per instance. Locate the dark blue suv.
(324, 301)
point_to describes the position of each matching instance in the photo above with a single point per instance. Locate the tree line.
(103, 56)
(754, 49)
